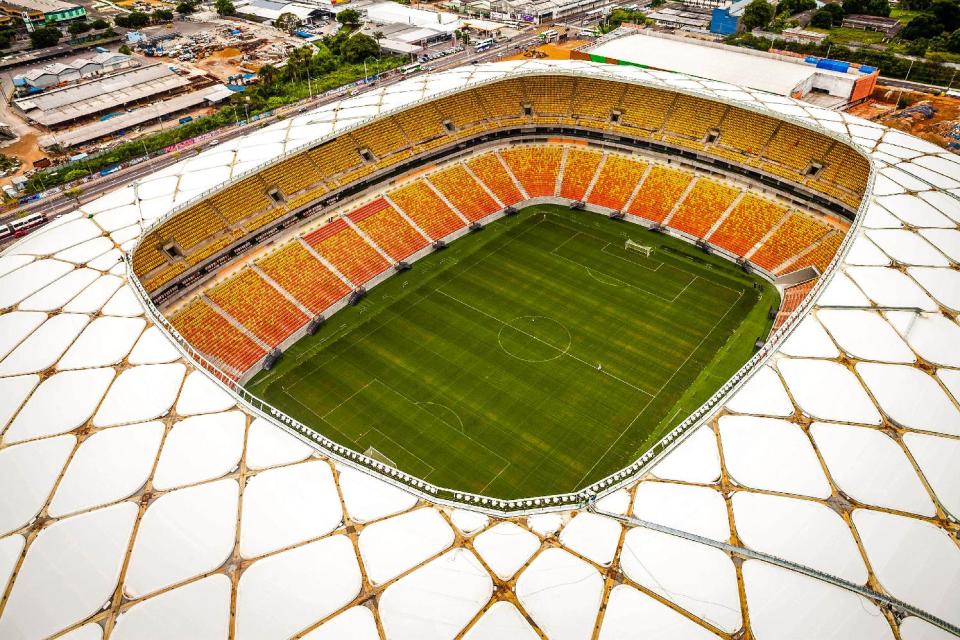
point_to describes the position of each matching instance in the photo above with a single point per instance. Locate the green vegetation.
(758, 14)
(890, 65)
(618, 16)
(44, 37)
(530, 358)
(225, 7)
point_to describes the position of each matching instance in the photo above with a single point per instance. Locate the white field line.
(566, 353)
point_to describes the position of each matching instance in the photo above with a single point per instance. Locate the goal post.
(630, 245)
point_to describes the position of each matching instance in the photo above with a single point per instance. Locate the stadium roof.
(137, 498)
(726, 64)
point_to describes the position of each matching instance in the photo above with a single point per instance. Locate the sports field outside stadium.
(530, 358)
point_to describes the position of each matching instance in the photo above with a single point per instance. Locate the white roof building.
(782, 75)
(836, 457)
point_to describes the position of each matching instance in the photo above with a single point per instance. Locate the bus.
(21, 226)
(483, 45)
(549, 36)
(410, 68)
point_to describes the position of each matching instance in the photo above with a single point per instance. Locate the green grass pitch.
(531, 358)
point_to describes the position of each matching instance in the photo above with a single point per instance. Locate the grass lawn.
(846, 35)
(530, 358)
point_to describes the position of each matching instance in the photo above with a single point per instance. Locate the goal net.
(630, 245)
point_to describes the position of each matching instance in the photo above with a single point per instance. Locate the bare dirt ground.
(941, 128)
(223, 63)
(551, 51)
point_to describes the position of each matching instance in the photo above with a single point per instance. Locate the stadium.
(529, 349)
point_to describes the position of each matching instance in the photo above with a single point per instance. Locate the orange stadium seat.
(694, 117)
(215, 336)
(304, 277)
(646, 108)
(792, 297)
(487, 167)
(820, 256)
(242, 200)
(347, 251)
(578, 171)
(797, 233)
(549, 96)
(796, 148)
(703, 206)
(617, 180)
(258, 306)
(535, 167)
(426, 209)
(659, 192)
(503, 100)
(749, 221)
(293, 174)
(595, 99)
(459, 187)
(388, 229)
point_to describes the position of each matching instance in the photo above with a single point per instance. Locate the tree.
(288, 22)
(162, 15)
(793, 7)
(947, 13)
(100, 24)
(822, 19)
(758, 13)
(836, 10)
(225, 7)
(75, 193)
(349, 18)
(923, 26)
(45, 37)
(953, 42)
(185, 8)
(916, 5)
(79, 27)
(124, 49)
(866, 7)
(359, 47)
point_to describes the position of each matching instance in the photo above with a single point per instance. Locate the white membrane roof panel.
(592, 536)
(269, 446)
(183, 534)
(930, 578)
(104, 341)
(17, 325)
(140, 393)
(108, 466)
(288, 505)
(199, 610)
(926, 407)
(505, 548)
(771, 454)
(45, 345)
(698, 510)
(787, 605)
(70, 570)
(200, 448)
(870, 466)
(61, 403)
(287, 592)
(803, 531)
(437, 600)
(561, 593)
(699, 578)
(392, 546)
(365, 497)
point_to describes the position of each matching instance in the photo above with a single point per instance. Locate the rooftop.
(766, 72)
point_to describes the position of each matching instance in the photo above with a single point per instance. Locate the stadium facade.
(815, 496)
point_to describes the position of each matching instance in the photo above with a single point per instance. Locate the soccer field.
(530, 358)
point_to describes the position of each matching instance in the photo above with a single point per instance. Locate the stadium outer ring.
(534, 504)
